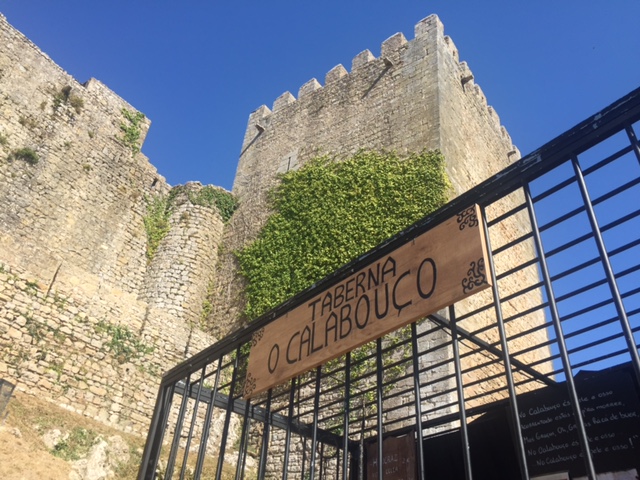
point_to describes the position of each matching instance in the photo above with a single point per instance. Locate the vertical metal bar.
(244, 438)
(417, 394)
(515, 418)
(322, 466)
(314, 437)
(158, 426)
(362, 427)
(347, 412)
(562, 346)
(287, 439)
(464, 431)
(171, 462)
(207, 423)
(264, 449)
(634, 141)
(379, 402)
(193, 423)
(613, 285)
(304, 439)
(227, 418)
(202, 449)
(165, 422)
(304, 456)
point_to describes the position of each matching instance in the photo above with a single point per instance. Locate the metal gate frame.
(573, 199)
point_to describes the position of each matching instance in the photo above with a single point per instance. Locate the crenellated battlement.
(452, 46)
(335, 74)
(389, 62)
(416, 95)
(309, 87)
(361, 60)
(389, 48)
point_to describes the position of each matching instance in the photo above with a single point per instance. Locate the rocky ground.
(41, 441)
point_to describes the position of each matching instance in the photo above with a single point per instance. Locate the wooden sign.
(398, 458)
(436, 269)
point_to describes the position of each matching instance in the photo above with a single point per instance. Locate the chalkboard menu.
(611, 412)
(398, 458)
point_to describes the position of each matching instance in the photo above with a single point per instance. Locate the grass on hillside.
(24, 455)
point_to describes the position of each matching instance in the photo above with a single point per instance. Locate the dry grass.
(24, 455)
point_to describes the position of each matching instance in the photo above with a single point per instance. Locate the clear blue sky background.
(198, 68)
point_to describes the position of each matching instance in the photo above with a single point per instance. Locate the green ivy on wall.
(160, 209)
(213, 197)
(328, 213)
(156, 222)
(131, 129)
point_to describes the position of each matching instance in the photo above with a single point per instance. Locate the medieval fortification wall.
(415, 96)
(86, 319)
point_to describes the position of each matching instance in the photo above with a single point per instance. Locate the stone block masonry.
(86, 320)
(105, 367)
(86, 193)
(51, 348)
(416, 96)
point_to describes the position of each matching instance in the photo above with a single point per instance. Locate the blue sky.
(198, 68)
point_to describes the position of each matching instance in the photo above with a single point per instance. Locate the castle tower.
(416, 96)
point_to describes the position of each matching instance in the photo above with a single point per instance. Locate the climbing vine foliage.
(156, 223)
(160, 208)
(328, 213)
(213, 197)
(131, 129)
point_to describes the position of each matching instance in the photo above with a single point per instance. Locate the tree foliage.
(328, 213)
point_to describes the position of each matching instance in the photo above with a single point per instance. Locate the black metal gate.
(538, 375)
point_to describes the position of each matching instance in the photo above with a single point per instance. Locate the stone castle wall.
(415, 96)
(86, 321)
(85, 195)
